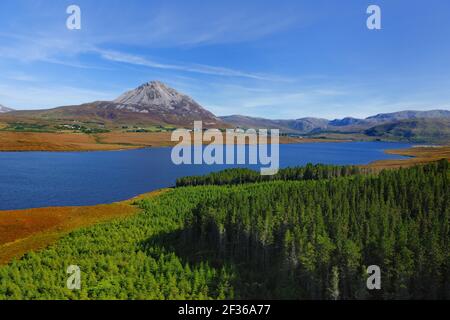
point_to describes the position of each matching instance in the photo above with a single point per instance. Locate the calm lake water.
(41, 179)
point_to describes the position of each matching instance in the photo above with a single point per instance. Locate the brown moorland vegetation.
(40, 141)
(22, 231)
(418, 155)
(64, 141)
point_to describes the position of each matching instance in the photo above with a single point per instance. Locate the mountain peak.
(154, 83)
(153, 93)
(158, 101)
(4, 109)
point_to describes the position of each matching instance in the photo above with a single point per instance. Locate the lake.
(42, 179)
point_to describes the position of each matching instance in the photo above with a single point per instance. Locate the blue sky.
(275, 59)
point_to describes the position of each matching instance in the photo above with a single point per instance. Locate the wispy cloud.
(28, 49)
(254, 57)
(275, 100)
(20, 76)
(217, 24)
(195, 68)
(65, 52)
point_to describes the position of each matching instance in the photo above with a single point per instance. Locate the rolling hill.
(414, 130)
(307, 125)
(408, 115)
(303, 125)
(415, 126)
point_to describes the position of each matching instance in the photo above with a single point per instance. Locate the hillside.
(415, 130)
(414, 126)
(409, 114)
(245, 122)
(304, 125)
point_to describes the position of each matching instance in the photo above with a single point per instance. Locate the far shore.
(417, 155)
(111, 141)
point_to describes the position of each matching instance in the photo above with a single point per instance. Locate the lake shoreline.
(417, 155)
(112, 141)
(26, 230)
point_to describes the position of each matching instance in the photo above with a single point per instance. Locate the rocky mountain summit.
(4, 109)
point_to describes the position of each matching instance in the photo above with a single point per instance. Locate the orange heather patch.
(26, 230)
(64, 141)
(163, 139)
(147, 139)
(419, 155)
(37, 141)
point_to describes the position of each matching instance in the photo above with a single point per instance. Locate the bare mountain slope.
(311, 125)
(416, 130)
(4, 109)
(304, 125)
(409, 114)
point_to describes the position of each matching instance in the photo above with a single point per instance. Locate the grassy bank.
(417, 155)
(22, 231)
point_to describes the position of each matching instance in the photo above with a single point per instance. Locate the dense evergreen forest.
(243, 175)
(281, 239)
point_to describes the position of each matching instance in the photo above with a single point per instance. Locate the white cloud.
(20, 76)
(65, 52)
(217, 24)
(195, 68)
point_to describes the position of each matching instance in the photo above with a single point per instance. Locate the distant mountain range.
(427, 126)
(414, 130)
(154, 103)
(4, 109)
(308, 125)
